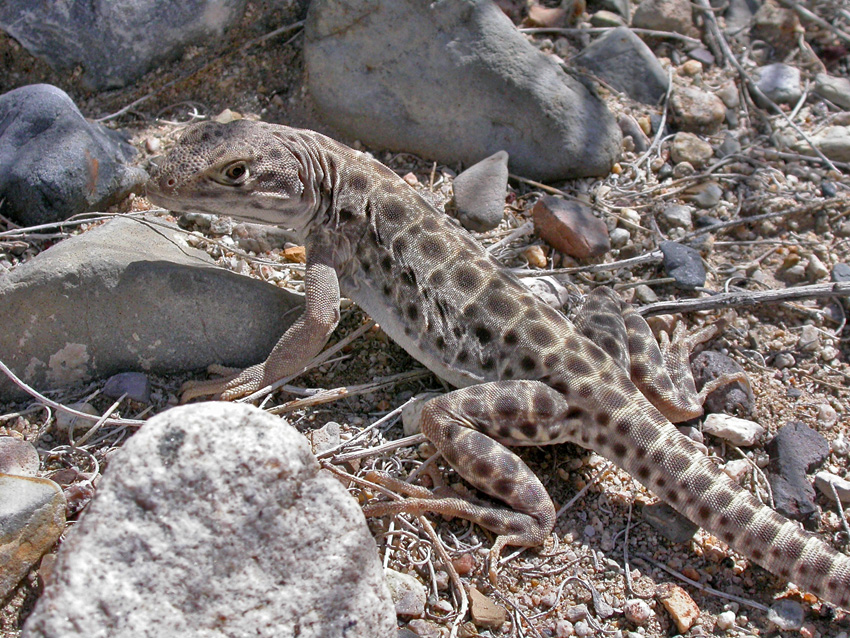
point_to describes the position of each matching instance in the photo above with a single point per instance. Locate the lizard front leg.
(301, 342)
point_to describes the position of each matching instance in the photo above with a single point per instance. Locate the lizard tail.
(669, 464)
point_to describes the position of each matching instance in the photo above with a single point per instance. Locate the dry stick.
(754, 90)
(811, 17)
(334, 394)
(58, 406)
(76, 220)
(746, 299)
(701, 587)
(834, 491)
(655, 255)
(659, 134)
(426, 525)
(453, 575)
(809, 208)
(658, 34)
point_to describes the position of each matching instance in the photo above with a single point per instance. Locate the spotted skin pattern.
(526, 375)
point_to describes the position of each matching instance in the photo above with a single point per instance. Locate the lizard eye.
(234, 174)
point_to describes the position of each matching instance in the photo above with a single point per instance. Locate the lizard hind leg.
(470, 428)
(661, 371)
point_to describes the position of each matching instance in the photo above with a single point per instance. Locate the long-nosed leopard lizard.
(527, 375)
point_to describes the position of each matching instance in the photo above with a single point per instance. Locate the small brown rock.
(540, 16)
(697, 111)
(777, 26)
(687, 147)
(485, 613)
(295, 254)
(464, 564)
(570, 227)
(535, 256)
(34, 517)
(679, 605)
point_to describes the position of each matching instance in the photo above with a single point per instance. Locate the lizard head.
(243, 169)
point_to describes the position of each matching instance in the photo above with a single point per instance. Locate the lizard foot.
(234, 385)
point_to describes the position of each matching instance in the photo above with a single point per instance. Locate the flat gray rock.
(623, 60)
(452, 81)
(836, 89)
(118, 41)
(215, 520)
(131, 296)
(54, 163)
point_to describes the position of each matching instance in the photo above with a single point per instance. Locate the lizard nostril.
(170, 182)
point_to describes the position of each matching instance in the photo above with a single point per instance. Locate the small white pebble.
(841, 446)
(638, 611)
(726, 620)
(827, 416)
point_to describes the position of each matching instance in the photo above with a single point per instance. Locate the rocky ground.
(761, 211)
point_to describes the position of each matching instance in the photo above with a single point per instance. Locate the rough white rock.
(842, 486)
(408, 593)
(215, 520)
(638, 611)
(735, 430)
(726, 620)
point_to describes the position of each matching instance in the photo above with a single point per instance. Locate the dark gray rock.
(620, 7)
(132, 296)
(705, 195)
(54, 163)
(669, 523)
(453, 81)
(135, 385)
(683, 264)
(479, 193)
(623, 60)
(795, 450)
(118, 41)
(735, 398)
(739, 15)
(840, 272)
(215, 520)
(827, 189)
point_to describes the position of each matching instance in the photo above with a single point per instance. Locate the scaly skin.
(527, 375)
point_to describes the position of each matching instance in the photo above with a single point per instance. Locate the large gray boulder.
(453, 81)
(131, 295)
(215, 521)
(54, 163)
(118, 41)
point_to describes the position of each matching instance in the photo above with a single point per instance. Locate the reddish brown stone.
(570, 227)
